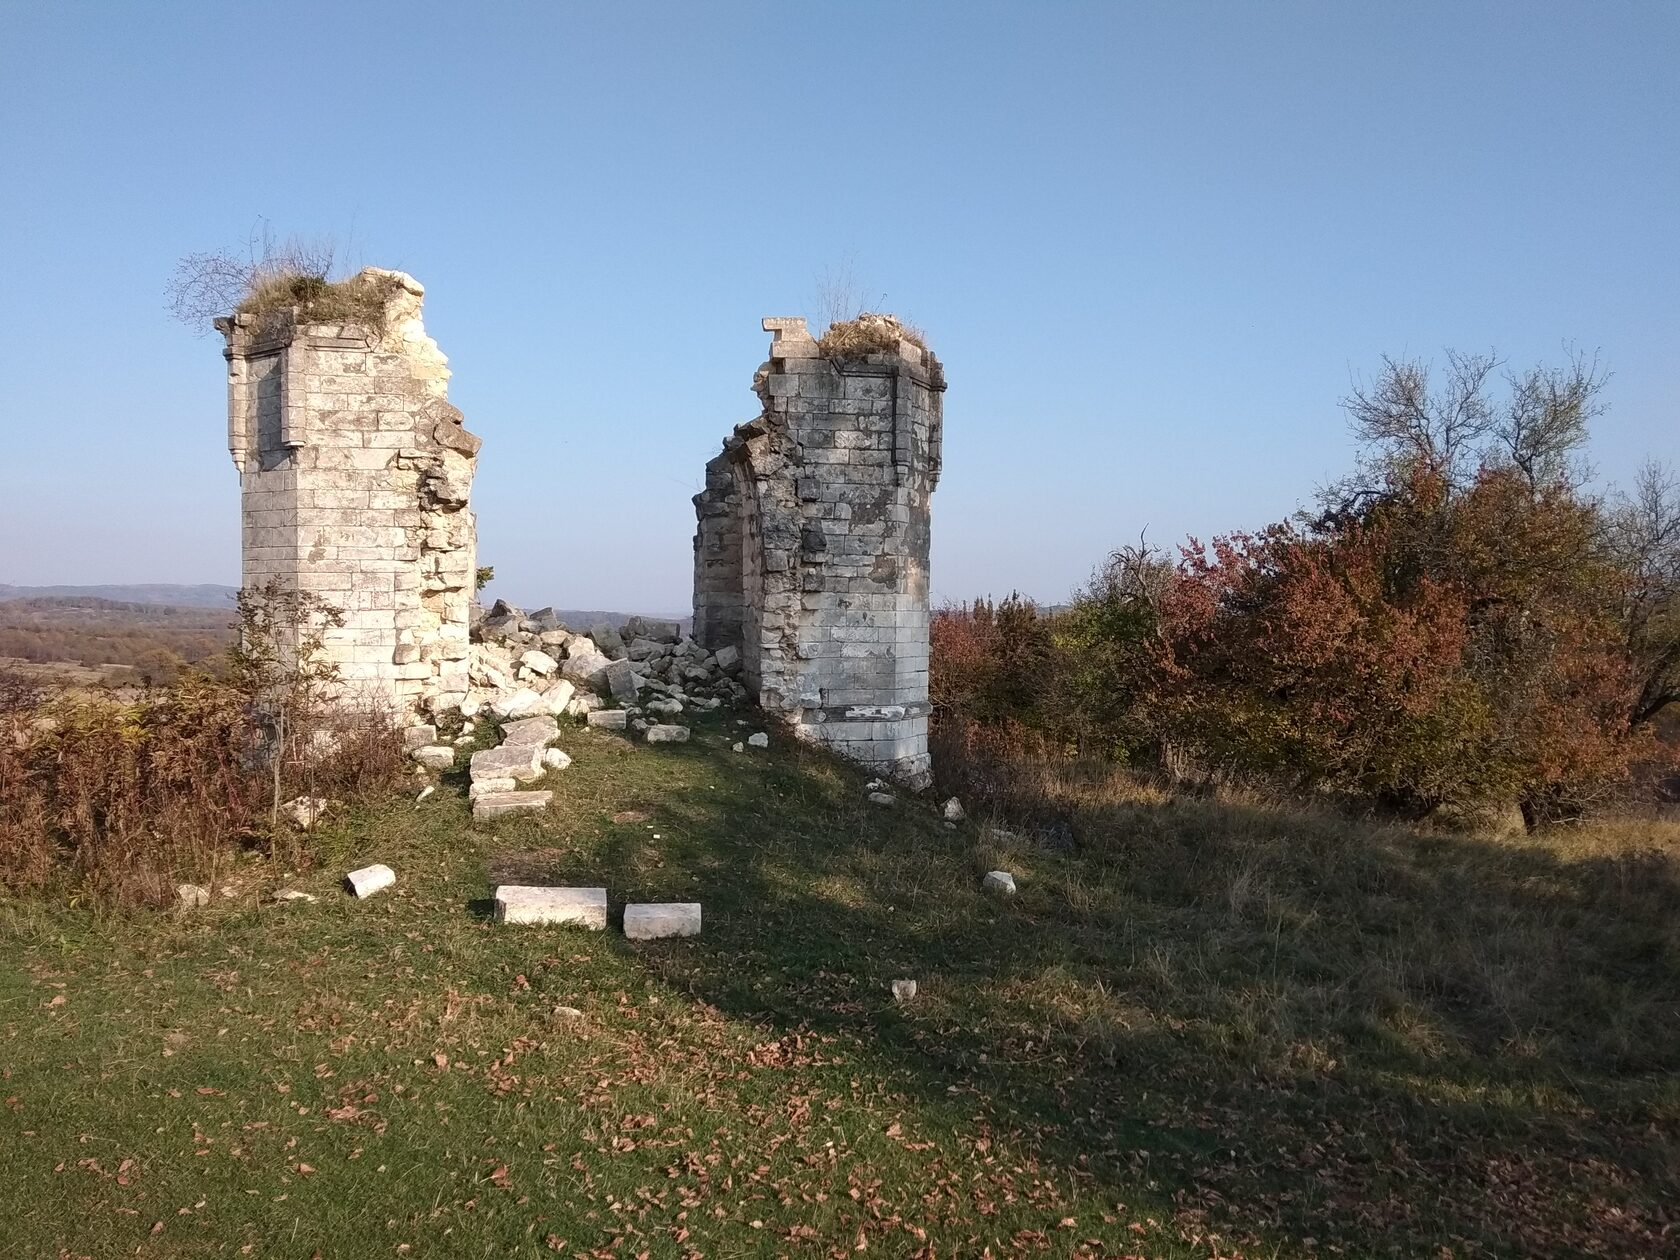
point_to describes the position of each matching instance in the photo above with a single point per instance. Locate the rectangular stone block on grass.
(537, 732)
(609, 719)
(525, 903)
(501, 804)
(651, 920)
(519, 762)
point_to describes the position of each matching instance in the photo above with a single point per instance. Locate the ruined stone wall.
(811, 555)
(355, 472)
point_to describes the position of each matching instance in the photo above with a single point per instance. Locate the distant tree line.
(1460, 623)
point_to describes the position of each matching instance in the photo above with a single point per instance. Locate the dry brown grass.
(361, 299)
(869, 333)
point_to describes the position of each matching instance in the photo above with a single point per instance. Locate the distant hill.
(174, 595)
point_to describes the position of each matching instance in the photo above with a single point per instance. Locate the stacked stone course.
(811, 555)
(355, 474)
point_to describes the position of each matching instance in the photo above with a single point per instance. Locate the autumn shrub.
(116, 800)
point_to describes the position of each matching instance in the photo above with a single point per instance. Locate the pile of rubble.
(526, 670)
(522, 665)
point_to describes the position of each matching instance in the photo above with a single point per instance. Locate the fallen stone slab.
(192, 896)
(525, 903)
(759, 739)
(885, 799)
(419, 736)
(517, 704)
(370, 879)
(557, 697)
(290, 894)
(622, 682)
(484, 787)
(608, 719)
(501, 804)
(532, 731)
(651, 920)
(539, 662)
(667, 734)
(521, 764)
(554, 759)
(435, 756)
(1000, 882)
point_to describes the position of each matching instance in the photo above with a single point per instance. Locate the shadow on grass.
(1301, 1031)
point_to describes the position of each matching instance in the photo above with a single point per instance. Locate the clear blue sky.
(1152, 244)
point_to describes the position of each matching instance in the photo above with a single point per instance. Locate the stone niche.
(811, 555)
(355, 475)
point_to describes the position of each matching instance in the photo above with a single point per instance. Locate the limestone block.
(485, 787)
(501, 804)
(622, 681)
(517, 704)
(539, 662)
(523, 903)
(435, 756)
(667, 734)
(557, 697)
(419, 736)
(608, 719)
(1000, 883)
(554, 759)
(370, 879)
(652, 920)
(521, 764)
(540, 731)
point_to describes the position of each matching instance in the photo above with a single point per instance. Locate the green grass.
(1217, 1029)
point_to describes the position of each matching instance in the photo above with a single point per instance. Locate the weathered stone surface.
(523, 903)
(539, 662)
(953, 810)
(649, 921)
(303, 812)
(500, 804)
(487, 787)
(903, 990)
(521, 763)
(355, 473)
(435, 756)
(886, 799)
(1000, 882)
(539, 731)
(557, 697)
(587, 668)
(554, 759)
(667, 734)
(419, 736)
(370, 879)
(191, 896)
(758, 739)
(517, 704)
(652, 628)
(622, 682)
(812, 547)
(608, 719)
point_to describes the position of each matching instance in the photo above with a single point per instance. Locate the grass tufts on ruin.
(869, 333)
(360, 299)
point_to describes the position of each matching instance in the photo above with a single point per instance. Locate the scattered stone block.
(622, 682)
(557, 697)
(759, 739)
(903, 990)
(424, 793)
(886, 799)
(305, 811)
(419, 736)
(483, 787)
(191, 896)
(651, 920)
(953, 810)
(524, 903)
(520, 763)
(539, 662)
(370, 879)
(435, 756)
(1001, 883)
(667, 735)
(517, 704)
(729, 658)
(290, 894)
(609, 719)
(529, 732)
(554, 759)
(738, 746)
(501, 804)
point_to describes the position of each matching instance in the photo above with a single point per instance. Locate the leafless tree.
(207, 285)
(1645, 536)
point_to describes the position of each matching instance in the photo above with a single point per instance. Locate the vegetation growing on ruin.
(269, 276)
(868, 333)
